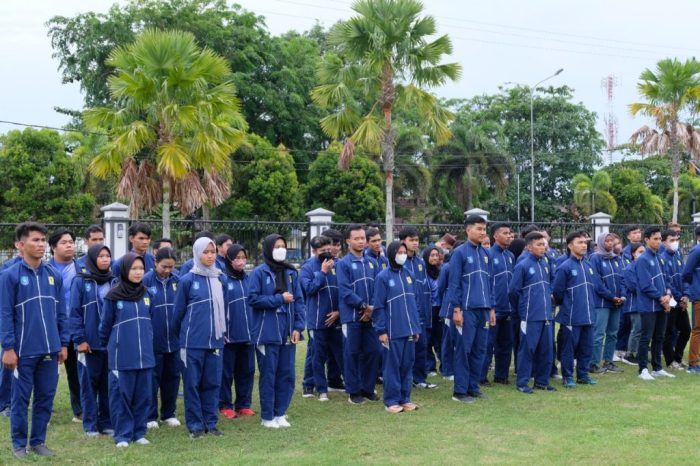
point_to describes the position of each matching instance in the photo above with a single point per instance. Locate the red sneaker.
(245, 412)
(227, 413)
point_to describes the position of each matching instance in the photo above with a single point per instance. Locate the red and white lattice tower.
(608, 84)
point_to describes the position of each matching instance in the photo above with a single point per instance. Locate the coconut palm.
(592, 194)
(175, 121)
(671, 90)
(688, 194)
(381, 60)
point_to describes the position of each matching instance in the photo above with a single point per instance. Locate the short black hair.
(408, 232)
(58, 234)
(204, 234)
(319, 241)
(497, 226)
(348, 231)
(668, 232)
(93, 229)
(633, 247)
(651, 231)
(165, 253)
(221, 239)
(630, 228)
(527, 229)
(575, 235)
(372, 231)
(334, 235)
(23, 229)
(474, 220)
(160, 241)
(139, 227)
(533, 236)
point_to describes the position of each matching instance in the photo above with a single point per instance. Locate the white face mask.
(401, 259)
(674, 246)
(279, 254)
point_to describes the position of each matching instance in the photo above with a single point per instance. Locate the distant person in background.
(223, 242)
(139, 239)
(432, 256)
(94, 234)
(374, 248)
(161, 243)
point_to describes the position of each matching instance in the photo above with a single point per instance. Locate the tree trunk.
(468, 194)
(166, 207)
(387, 145)
(675, 168)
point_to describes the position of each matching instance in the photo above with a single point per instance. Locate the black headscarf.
(432, 270)
(277, 267)
(93, 272)
(391, 251)
(231, 254)
(516, 247)
(124, 289)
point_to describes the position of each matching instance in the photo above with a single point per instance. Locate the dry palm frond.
(188, 194)
(149, 185)
(127, 180)
(346, 155)
(216, 187)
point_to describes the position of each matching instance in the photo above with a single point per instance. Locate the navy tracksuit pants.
(334, 367)
(327, 347)
(239, 368)
(361, 357)
(500, 346)
(37, 376)
(276, 381)
(535, 352)
(93, 373)
(201, 375)
(398, 370)
(166, 380)
(576, 343)
(5, 388)
(470, 350)
(447, 350)
(420, 368)
(130, 402)
(435, 341)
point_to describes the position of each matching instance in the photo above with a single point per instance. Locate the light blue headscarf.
(212, 274)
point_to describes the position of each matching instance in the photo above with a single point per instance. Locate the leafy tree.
(265, 184)
(635, 201)
(382, 59)
(688, 195)
(176, 122)
(592, 194)
(40, 181)
(672, 89)
(355, 194)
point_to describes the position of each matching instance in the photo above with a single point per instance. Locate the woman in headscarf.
(87, 295)
(278, 320)
(126, 330)
(396, 320)
(200, 320)
(433, 263)
(239, 352)
(162, 286)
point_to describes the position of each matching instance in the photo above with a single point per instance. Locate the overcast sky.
(497, 41)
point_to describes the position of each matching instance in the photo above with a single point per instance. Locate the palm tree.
(671, 90)
(688, 194)
(381, 60)
(592, 194)
(175, 122)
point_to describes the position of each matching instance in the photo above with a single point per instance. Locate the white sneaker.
(616, 357)
(172, 422)
(449, 377)
(152, 425)
(270, 424)
(143, 441)
(122, 444)
(323, 397)
(675, 365)
(92, 434)
(662, 373)
(645, 375)
(282, 421)
(432, 374)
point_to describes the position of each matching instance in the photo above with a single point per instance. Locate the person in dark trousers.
(634, 235)
(630, 307)
(333, 369)
(34, 335)
(139, 240)
(678, 325)
(87, 295)
(432, 256)
(397, 323)
(62, 244)
(691, 276)
(653, 302)
(126, 331)
(239, 352)
(278, 319)
(162, 286)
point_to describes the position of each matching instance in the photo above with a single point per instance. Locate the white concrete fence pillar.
(601, 223)
(319, 221)
(116, 218)
(480, 212)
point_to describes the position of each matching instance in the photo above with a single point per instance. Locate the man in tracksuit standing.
(500, 342)
(5, 374)
(530, 292)
(361, 353)
(471, 299)
(34, 335)
(574, 291)
(691, 276)
(672, 264)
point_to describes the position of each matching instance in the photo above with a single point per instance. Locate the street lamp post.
(532, 143)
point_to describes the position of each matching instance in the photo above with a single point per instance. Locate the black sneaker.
(196, 434)
(501, 381)
(547, 388)
(41, 450)
(307, 392)
(336, 387)
(631, 359)
(478, 396)
(20, 452)
(370, 396)
(215, 432)
(611, 367)
(596, 369)
(356, 399)
(462, 398)
(526, 390)
(379, 381)
(485, 383)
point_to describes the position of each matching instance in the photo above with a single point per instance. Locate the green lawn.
(622, 420)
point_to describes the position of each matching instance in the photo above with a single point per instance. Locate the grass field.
(622, 420)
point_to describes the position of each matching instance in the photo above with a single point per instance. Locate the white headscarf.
(212, 274)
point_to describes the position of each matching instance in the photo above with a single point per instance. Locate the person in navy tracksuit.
(678, 325)
(397, 323)
(633, 235)
(574, 291)
(34, 336)
(162, 286)
(361, 351)
(500, 342)
(447, 350)
(278, 319)
(320, 285)
(140, 239)
(189, 263)
(223, 242)
(239, 352)
(530, 292)
(630, 307)
(6, 375)
(86, 306)
(691, 276)
(432, 256)
(374, 249)
(472, 303)
(200, 321)
(126, 331)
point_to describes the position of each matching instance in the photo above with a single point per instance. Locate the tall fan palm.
(175, 121)
(591, 194)
(381, 60)
(672, 89)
